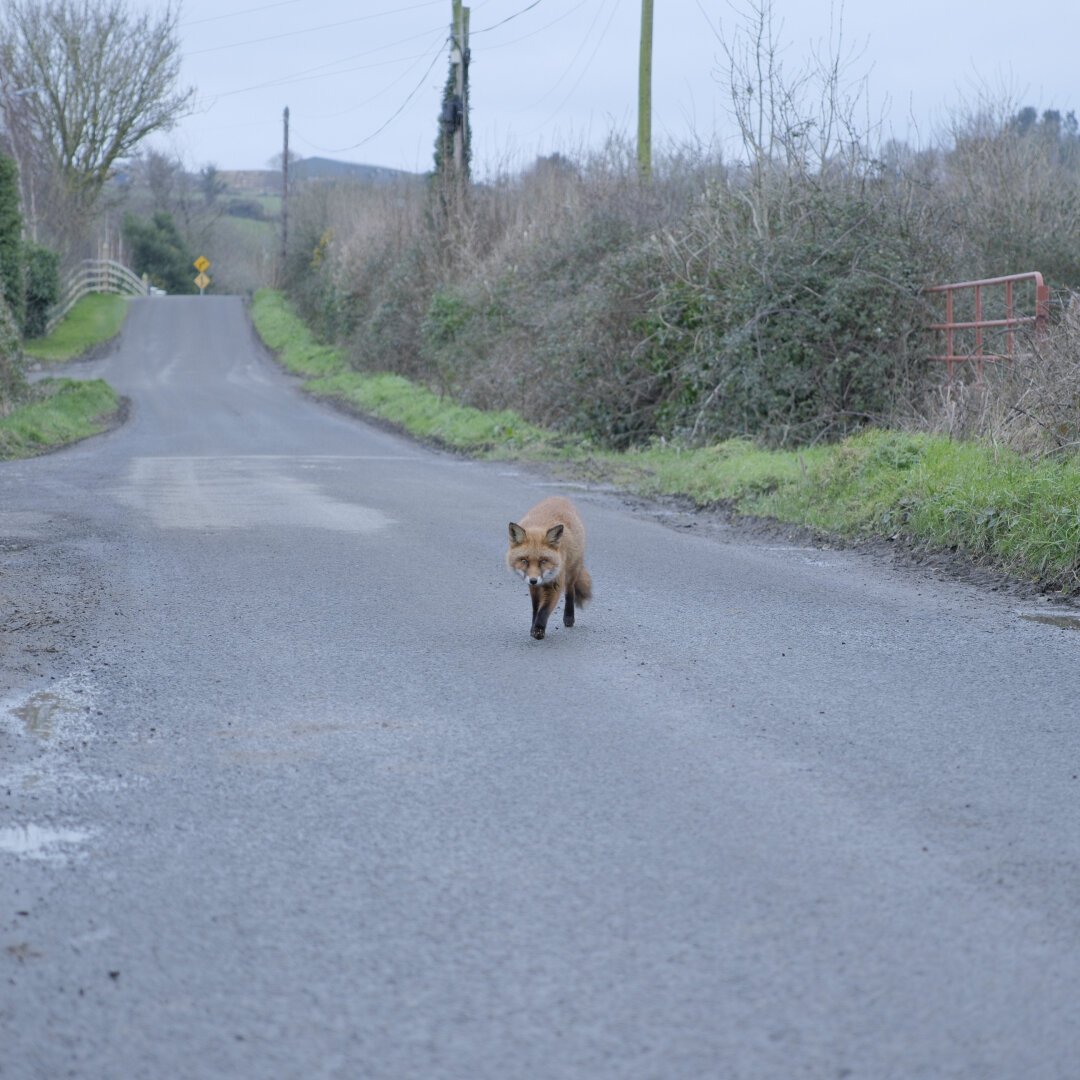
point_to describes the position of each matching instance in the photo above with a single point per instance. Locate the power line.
(234, 14)
(393, 116)
(588, 64)
(602, 19)
(412, 94)
(312, 29)
(379, 93)
(509, 18)
(307, 74)
(319, 72)
(539, 29)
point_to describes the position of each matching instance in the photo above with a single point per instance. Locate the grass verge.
(992, 505)
(95, 319)
(58, 412)
(414, 408)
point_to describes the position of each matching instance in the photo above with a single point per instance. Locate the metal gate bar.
(1004, 328)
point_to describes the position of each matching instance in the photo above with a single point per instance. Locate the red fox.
(547, 549)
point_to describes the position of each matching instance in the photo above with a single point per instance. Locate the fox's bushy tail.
(583, 587)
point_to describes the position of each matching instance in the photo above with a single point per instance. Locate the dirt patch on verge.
(902, 553)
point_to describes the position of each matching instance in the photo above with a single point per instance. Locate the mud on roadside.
(902, 554)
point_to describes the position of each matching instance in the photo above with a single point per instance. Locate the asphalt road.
(288, 791)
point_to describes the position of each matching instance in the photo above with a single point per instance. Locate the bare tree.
(89, 80)
(1014, 189)
(809, 122)
(159, 183)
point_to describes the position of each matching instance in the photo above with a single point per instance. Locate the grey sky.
(363, 78)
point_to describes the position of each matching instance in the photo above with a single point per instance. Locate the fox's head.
(534, 553)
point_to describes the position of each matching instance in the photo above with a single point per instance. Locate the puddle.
(1063, 622)
(43, 734)
(38, 842)
(42, 712)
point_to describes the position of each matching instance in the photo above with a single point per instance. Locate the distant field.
(271, 205)
(248, 227)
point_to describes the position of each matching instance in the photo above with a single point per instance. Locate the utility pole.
(452, 145)
(459, 58)
(285, 194)
(644, 124)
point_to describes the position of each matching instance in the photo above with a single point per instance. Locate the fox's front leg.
(544, 599)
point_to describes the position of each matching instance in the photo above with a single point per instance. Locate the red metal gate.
(981, 317)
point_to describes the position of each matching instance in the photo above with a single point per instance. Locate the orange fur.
(547, 550)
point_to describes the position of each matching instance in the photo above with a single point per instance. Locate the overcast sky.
(363, 78)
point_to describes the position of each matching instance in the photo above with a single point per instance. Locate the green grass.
(1020, 515)
(271, 204)
(992, 504)
(95, 319)
(248, 228)
(417, 409)
(55, 412)
(60, 411)
(429, 416)
(282, 330)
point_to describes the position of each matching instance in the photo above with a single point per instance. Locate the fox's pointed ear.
(554, 535)
(517, 533)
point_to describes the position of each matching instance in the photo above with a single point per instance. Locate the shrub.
(11, 253)
(251, 209)
(159, 252)
(791, 334)
(42, 287)
(1030, 404)
(12, 382)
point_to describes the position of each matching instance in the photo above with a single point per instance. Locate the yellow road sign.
(202, 281)
(202, 264)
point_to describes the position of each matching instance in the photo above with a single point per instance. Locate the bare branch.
(94, 78)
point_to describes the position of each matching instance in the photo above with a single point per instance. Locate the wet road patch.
(1062, 620)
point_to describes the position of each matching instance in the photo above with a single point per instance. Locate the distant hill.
(319, 168)
(315, 169)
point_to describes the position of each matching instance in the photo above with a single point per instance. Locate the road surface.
(288, 791)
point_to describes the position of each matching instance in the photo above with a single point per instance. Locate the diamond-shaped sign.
(202, 281)
(202, 264)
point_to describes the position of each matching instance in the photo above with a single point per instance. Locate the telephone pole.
(459, 58)
(452, 145)
(285, 194)
(644, 124)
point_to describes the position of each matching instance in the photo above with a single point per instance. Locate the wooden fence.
(95, 276)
